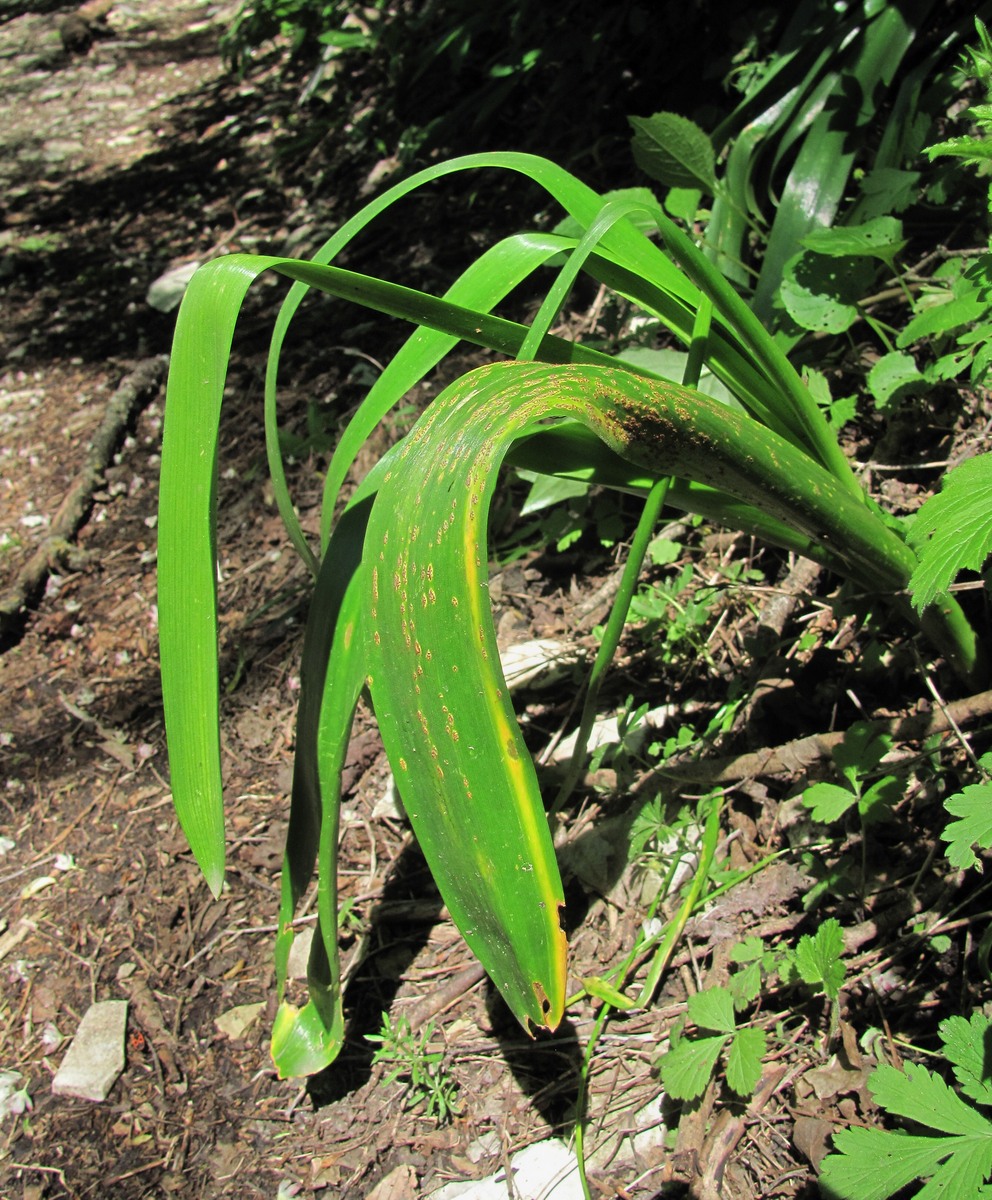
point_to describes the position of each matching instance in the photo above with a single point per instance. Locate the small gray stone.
(96, 1056)
(166, 292)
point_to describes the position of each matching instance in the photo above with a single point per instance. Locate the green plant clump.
(400, 609)
(733, 433)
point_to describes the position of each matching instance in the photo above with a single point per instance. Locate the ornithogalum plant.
(401, 609)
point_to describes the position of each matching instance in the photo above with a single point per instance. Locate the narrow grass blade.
(187, 568)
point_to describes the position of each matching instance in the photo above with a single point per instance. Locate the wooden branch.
(134, 393)
(795, 758)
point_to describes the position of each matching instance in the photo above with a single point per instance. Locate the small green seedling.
(856, 759)
(817, 960)
(422, 1071)
(688, 1067)
(951, 1143)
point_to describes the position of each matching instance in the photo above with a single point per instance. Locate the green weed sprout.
(420, 1069)
(400, 610)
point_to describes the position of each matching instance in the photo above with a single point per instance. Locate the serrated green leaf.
(860, 752)
(874, 1164)
(953, 530)
(744, 1058)
(879, 238)
(948, 366)
(713, 1008)
(975, 149)
(968, 1048)
(876, 803)
(973, 808)
(745, 985)
(888, 190)
(674, 150)
(920, 1095)
(749, 949)
(828, 801)
(891, 376)
(818, 957)
(686, 1070)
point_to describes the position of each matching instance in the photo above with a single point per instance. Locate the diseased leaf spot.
(403, 766)
(511, 748)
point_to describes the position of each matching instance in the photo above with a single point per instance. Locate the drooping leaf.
(466, 778)
(953, 530)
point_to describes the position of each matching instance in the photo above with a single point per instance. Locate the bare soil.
(138, 155)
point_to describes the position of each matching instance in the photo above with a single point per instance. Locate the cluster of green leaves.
(675, 614)
(690, 1063)
(303, 23)
(857, 759)
(949, 1140)
(795, 219)
(422, 1071)
(815, 963)
(949, 335)
(400, 609)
